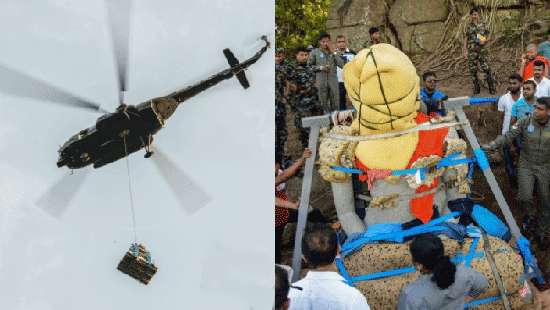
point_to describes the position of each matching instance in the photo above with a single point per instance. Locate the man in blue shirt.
(524, 106)
(544, 48)
(432, 97)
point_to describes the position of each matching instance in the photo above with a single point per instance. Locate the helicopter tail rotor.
(234, 62)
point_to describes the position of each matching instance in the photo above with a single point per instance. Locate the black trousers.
(315, 216)
(342, 90)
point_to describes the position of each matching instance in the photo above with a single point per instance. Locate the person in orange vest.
(527, 68)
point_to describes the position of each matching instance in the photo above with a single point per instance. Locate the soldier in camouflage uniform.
(475, 52)
(305, 101)
(283, 71)
(533, 165)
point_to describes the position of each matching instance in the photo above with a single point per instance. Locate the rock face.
(417, 26)
(412, 12)
(354, 17)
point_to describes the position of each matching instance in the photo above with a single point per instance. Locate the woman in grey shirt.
(442, 285)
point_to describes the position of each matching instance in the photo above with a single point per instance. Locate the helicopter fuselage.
(131, 128)
(115, 135)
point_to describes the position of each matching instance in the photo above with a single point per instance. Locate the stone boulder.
(500, 4)
(417, 26)
(424, 38)
(353, 18)
(412, 12)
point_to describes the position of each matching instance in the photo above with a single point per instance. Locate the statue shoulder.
(336, 152)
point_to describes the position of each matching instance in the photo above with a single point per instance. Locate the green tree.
(299, 22)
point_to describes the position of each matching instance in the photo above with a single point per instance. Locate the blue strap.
(529, 260)
(398, 236)
(451, 156)
(459, 258)
(383, 274)
(392, 272)
(436, 221)
(471, 252)
(444, 162)
(418, 230)
(348, 248)
(405, 171)
(471, 170)
(399, 271)
(343, 271)
(525, 249)
(347, 170)
(481, 159)
(479, 302)
(455, 162)
(476, 100)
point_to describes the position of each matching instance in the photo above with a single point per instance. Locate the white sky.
(220, 257)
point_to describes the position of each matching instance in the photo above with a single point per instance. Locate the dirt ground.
(484, 121)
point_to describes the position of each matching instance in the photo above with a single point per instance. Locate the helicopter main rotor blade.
(57, 199)
(190, 195)
(19, 84)
(119, 22)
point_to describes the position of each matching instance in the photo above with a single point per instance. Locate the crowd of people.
(312, 84)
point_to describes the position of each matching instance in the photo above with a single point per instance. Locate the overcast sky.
(220, 257)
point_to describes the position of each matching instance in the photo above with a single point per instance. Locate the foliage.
(299, 22)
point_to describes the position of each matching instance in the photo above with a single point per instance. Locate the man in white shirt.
(543, 83)
(505, 104)
(346, 54)
(323, 288)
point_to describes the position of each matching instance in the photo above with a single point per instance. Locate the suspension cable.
(130, 191)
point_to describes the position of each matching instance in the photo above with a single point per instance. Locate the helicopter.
(126, 130)
(131, 128)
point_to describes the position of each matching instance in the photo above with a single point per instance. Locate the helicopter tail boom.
(236, 69)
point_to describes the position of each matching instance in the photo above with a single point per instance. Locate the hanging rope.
(130, 191)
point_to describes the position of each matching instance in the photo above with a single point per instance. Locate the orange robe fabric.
(430, 142)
